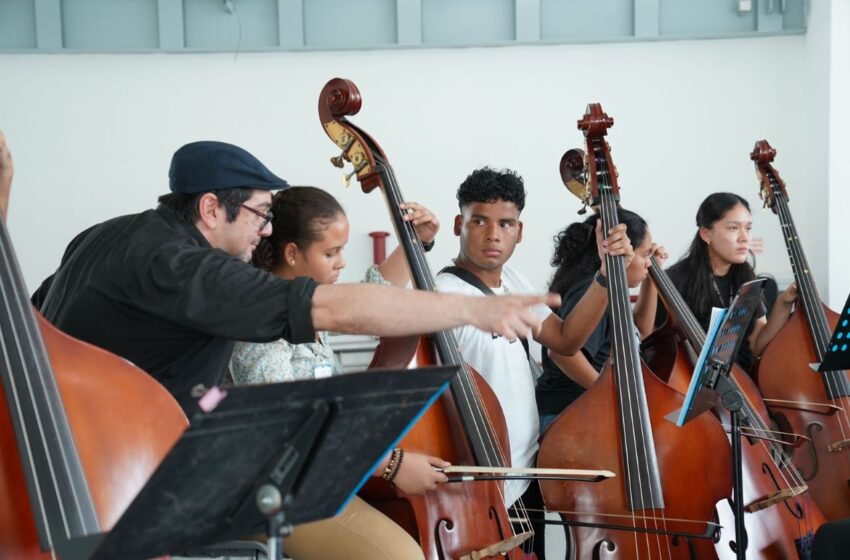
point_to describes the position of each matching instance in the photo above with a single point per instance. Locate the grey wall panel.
(472, 22)
(698, 17)
(794, 17)
(93, 24)
(294, 25)
(235, 25)
(290, 17)
(17, 24)
(580, 19)
(346, 24)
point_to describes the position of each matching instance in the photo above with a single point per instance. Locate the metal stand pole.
(273, 505)
(733, 402)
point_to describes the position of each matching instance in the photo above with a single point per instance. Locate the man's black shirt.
(151, 289)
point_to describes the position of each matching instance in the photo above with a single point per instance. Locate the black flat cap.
(211, 166)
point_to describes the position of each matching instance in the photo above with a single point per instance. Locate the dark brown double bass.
(661, 503)
(811, 403)
(465, 426)
(81, 430)
(779, 517)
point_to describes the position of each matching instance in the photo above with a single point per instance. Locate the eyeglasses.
(266, 216)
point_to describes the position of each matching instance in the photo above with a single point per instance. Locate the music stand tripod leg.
(275, 495)
(733, 401)
(278, 529)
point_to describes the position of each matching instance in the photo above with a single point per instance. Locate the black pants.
(533, 500)
(832, 541)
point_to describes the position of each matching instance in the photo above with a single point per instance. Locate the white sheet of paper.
(717, 316)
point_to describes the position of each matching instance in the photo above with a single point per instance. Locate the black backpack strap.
(469, 278)
(475, 281)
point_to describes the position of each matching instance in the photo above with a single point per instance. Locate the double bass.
(465, 426)
(779, 516)
(81, 430)
(661, 504)
(808, 402)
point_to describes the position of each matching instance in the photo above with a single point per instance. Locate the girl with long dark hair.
(578, 263)
(715, 266)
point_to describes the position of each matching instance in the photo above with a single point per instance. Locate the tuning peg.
(338, 161)
(346, 178)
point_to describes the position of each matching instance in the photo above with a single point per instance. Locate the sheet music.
(717, 316)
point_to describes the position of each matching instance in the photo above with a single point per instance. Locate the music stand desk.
(837, 356)
(711, 385)
(313, 442)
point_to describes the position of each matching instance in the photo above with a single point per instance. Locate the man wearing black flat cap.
(171, 289)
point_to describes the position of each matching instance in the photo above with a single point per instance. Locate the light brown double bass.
(779, 516)
(81, 430)
(466, 426)
(661, 503)
(810, 403)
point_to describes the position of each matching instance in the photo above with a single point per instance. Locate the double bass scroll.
(804, 401)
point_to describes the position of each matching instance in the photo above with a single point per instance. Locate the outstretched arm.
(392, 311)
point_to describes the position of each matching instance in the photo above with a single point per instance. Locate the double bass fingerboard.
(643, 479)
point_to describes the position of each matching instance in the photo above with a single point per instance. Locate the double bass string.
(469, 394)
(759, 429)
(836, 381)
(13, 387)
(65, 498)
(623, 328)
(419, 260)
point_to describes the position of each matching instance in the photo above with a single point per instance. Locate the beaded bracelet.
(397, 465)
(392, 465)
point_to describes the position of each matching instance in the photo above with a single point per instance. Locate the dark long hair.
(576, 255)
(301, 214)
(695, 265)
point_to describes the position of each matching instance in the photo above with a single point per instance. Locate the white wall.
(92, 135)
(839, 160)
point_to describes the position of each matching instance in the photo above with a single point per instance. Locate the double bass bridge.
(500, 548)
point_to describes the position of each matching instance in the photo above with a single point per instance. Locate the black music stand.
(837, 355)
(266, 458)
(711, 385)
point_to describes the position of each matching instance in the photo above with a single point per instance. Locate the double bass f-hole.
(813, 452)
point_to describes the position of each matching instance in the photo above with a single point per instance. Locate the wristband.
(600, 279)
(427, 245)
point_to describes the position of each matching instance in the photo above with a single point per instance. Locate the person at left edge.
(170, 289)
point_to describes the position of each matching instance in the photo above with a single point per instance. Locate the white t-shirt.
(504, 366)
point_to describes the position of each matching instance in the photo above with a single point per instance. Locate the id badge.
(322, 371)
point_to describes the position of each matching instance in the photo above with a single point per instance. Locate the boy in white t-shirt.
(489, 228)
